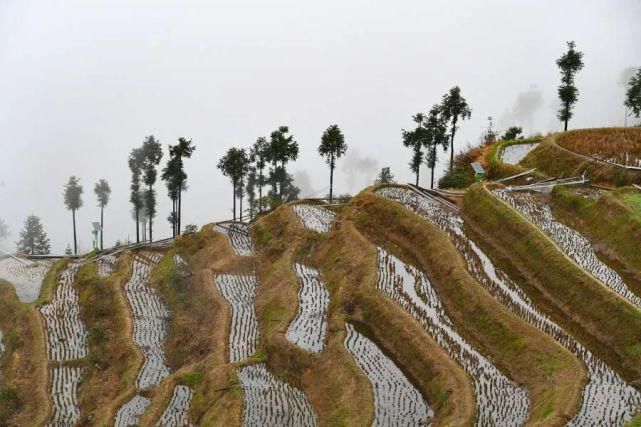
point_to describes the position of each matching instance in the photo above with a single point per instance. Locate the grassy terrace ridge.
(604, 322)
(553, 377)
(336, 388)
(197, 342)
(349, 262)
(24, 392)
(113, 359)
(554, 160)
(612, 223)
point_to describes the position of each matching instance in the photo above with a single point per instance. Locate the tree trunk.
(102, 226)
(180, 210)
(331, 180)
(137, 225)
(432, 181)
(75, 242)
(452, 144)
(418, 170)
(567, 113)
(151, 222)
(260, 190)
(234, 185)
(241, 199)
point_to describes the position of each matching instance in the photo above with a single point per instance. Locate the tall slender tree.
(435, 136)
(281, 150)
(332, 147)
(250, 188)
(454, 107)
(258, 157)
(33, 239)
(136, 158)
(169, 174)
(103, 192)
(176, 178)
(234, 165)
(633, 94)
(152, 154)
(569, 64)
(73, 202)
(415, 139)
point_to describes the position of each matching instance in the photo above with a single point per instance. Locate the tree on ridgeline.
(250, 188)
(415, 139)
(33, 239)
(435, 129)
(332, 147)
(169, 174)
(103, 191)
(281, 150)
(234, 165)
(513, 132)
(73, 202)
(258, 158)
(136, 158)
(569, 64)
(152, 154)
(633, 95)
(454, 107)
(176, 179)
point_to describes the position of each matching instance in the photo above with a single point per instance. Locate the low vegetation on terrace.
(616, 145)
(573, 298)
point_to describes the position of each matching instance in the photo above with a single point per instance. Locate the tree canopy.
(633, 94)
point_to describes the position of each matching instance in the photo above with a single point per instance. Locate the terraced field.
(271, 402)
(26, 276)
(106, 265)
(499, 400)
(606, 398)
(514, 153)
(315, 218)
(621, 146)
(238, 235)
(66, 343)
(240, 291)
(575, 246)
(177, 411)
(396, 400)
(309, 328)
(150, 317)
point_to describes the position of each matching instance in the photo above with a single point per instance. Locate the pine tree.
(633, 94)
(33, 239)
(281, 150)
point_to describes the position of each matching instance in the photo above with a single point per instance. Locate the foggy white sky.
(83, 82)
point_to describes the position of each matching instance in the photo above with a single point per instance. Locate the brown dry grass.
(601, 320)
(620, 145)
(553, 377)
(552, 160)
(24, 362)
(197, 343)
(336, 388)
(350, 263)
(113, 360)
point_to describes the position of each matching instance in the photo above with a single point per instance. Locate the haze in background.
(83, 82)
